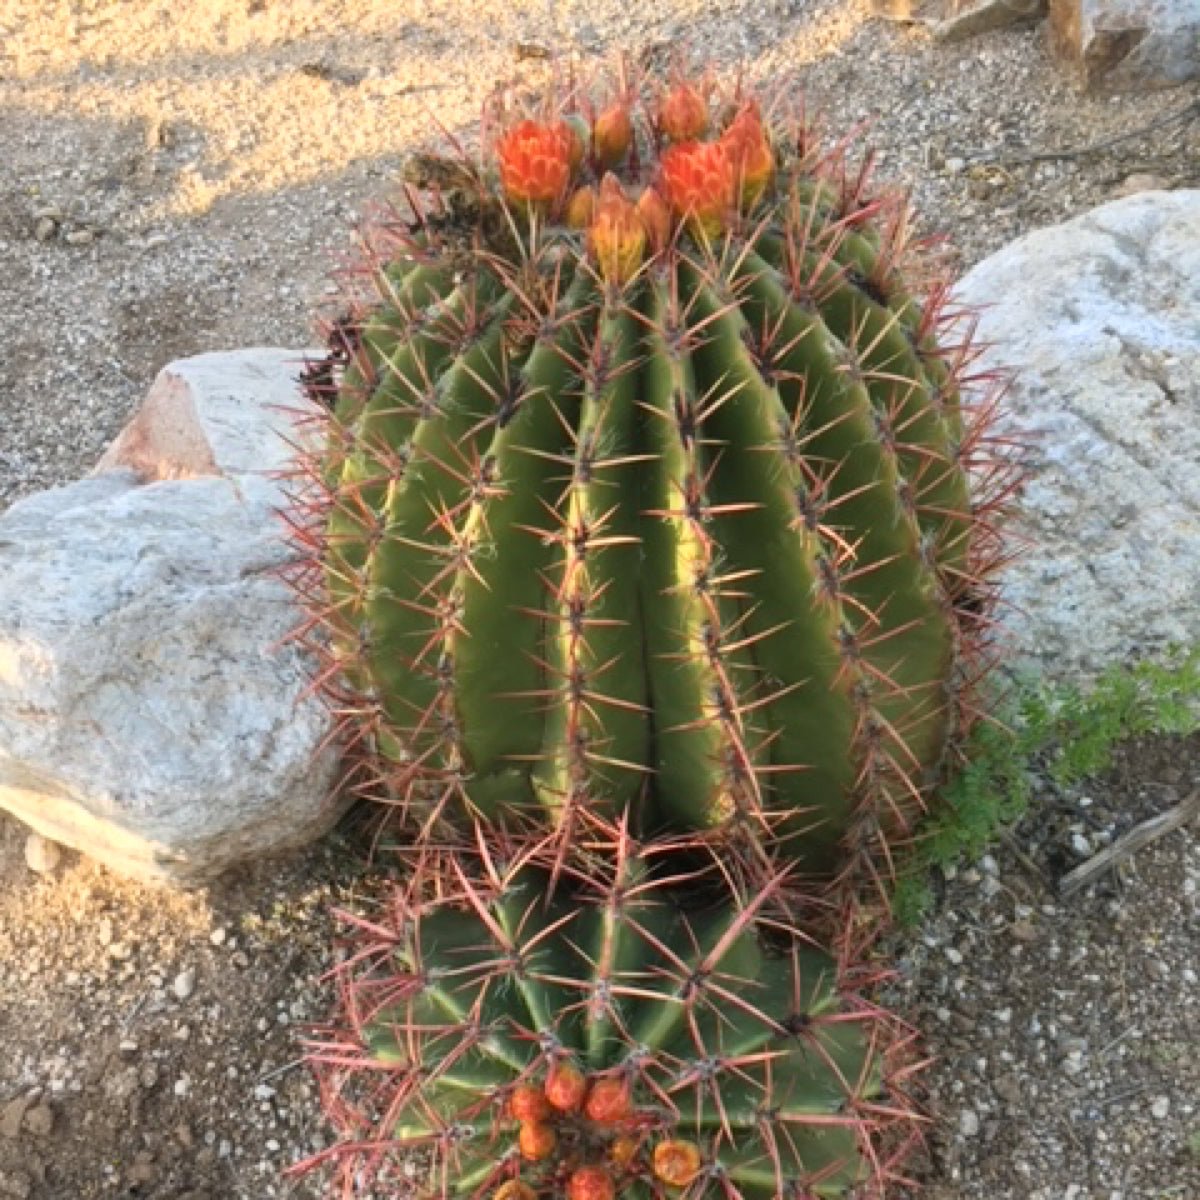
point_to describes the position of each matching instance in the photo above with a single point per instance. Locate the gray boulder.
(1129, 44)
(1099, 318)
(151, 714)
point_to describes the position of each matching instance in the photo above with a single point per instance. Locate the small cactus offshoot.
(594, 1039)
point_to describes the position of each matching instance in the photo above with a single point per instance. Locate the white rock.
(184, 983)
(1099, 318)
(149, 715)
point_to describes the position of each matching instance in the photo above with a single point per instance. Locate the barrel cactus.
(646, 488)
(507, 1040)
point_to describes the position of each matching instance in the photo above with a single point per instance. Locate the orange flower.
(684, 114)
(699, 185)
(652, 210)
(616, 236)
(591, 1183)
(528, 1103)
(535, 164)
(745, 142)
(537, 1141)
(612, 134)
(565, 1086)
(609, 1101)
(676, 1162)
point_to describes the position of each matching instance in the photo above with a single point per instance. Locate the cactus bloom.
(565, 1086)
(609, 1101)
(684, 114)
(676, 1162)
(535, 164)
(537, 1141)
(591, 1183)
(652, 211)
(616, 236)
(612, 134)
(745, 142)
(699, 185)
(528, 1103)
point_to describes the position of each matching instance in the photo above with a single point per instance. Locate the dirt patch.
(175, 185)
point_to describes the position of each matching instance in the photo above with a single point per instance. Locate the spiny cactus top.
(598, 1041)
(646, 486)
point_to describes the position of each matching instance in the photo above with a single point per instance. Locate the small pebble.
(41, 854)
(39, 1120)
(1159, 1108)
(185, 983)
(968, 1122)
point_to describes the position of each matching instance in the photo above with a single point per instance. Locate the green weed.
(1062, 732)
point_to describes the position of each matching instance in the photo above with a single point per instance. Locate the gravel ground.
(180, 178)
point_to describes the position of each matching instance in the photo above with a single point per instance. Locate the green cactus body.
(695, 546)
(746, 1054)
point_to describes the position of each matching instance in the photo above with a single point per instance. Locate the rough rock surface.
(148, 715)
(1129, 43)
(1098, 317)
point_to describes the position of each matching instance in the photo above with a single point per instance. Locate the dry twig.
(1130, 843)
(1187, 113)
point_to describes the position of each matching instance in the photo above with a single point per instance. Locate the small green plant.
(1061, 731)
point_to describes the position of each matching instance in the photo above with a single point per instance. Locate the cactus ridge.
(710, 1033)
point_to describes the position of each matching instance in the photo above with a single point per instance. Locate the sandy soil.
(180, 178)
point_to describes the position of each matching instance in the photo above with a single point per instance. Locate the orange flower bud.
(565, 1086)
(514, 1189)
(745, 142)
(610, 1100)
(616, 236)
(537, 1141)
(684, 114)
(528, 1103)
(535, 164)
(652, 211)
(581, 207)
(676, 1162)
(591, 1183)
(699, 185)
(612, 134)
